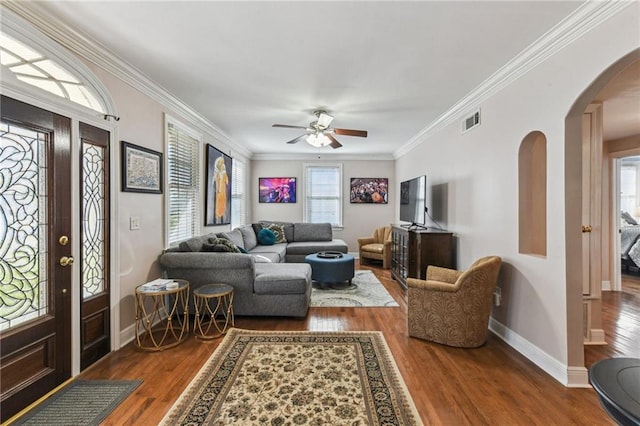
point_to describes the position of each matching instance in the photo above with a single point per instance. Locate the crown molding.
(584, 19)
(98, 54)
(322, 157)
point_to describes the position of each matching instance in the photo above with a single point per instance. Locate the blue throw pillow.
(266, 237)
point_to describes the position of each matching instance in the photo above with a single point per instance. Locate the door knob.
(66, 261)
(586, 228)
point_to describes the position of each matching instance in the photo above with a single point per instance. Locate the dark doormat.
(81, 402)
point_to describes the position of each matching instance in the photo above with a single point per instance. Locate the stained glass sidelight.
(23, 225)
(93, 220)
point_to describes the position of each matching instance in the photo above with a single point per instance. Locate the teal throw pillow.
(242, 250)
(266, 237)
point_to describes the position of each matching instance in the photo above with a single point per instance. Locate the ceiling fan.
(320, 133)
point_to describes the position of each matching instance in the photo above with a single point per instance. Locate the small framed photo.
(141, 169)
(369, 191)
(277, 189)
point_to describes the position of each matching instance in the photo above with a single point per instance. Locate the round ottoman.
(326, 267)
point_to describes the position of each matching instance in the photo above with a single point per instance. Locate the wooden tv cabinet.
(415, 249)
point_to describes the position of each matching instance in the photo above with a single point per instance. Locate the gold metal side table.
(162, 316)
(219, 316)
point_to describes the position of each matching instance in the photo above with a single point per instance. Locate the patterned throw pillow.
(277, 229)
(222, 244)
(266, 237)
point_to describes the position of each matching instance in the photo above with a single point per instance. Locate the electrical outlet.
(134, 223)
(497, 296)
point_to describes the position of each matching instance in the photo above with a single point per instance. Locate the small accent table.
(220, 315)
(162, 316)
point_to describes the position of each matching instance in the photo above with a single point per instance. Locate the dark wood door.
(35, 245)
(95, 335)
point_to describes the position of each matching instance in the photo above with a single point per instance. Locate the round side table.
(162, 316)
(214, 301)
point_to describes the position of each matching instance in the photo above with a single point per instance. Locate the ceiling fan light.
(318, 140)
(324, 120)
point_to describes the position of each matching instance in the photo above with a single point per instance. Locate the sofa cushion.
(193, 244)
(309, 247)
(303, 232)
(275, 253)
(235, 236)
(282, 278)
(248, 237)
(277, 229)
(266, 237)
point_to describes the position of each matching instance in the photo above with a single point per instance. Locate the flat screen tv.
(413, 194)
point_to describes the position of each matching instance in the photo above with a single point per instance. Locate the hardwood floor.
(621, 323)
(491, 385)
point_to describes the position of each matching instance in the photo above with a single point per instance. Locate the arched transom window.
(36, 69)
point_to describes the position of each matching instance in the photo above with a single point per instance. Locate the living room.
(541, 313)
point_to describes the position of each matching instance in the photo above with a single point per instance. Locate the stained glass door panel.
(35, 254)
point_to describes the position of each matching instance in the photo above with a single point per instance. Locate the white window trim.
(242, 191)
(199, 137)
(305, 166)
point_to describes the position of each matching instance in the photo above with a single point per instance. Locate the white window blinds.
(238, 196)
(183, 178)
(323, 194)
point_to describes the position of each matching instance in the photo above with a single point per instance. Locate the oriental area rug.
(365, 290)
(297, 378)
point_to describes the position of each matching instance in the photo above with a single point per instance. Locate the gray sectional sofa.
(268, 280)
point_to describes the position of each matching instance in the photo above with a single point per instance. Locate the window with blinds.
(323, 194)
(183, 182)
(238, 195)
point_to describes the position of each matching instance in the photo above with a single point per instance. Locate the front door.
(35, 253)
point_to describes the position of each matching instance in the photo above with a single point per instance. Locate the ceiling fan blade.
(298, 139)
(288, 126)
(334, 142)
(350, 132)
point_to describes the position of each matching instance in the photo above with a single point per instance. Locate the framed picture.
(277, 189)
(369, 191)
(141, 169)
(218, 188)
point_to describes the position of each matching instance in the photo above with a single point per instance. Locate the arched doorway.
(573, 215)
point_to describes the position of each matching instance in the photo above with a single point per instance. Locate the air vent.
(471, 121)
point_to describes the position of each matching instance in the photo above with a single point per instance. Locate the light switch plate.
(134, 223)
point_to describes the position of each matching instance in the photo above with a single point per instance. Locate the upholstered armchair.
(377, 246)
(452, 307)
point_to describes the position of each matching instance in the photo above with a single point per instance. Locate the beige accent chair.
(377, 247)
(453, 307)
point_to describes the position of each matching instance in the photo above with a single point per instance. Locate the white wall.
(359, 220)
(142, 123)
(479, 169)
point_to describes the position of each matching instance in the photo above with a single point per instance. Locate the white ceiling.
(391, 68)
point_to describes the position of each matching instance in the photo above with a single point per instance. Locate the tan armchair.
(377, 247)
(453, 307)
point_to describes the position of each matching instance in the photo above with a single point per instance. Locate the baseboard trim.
(606, 285)
(597, 337)
(568, 376)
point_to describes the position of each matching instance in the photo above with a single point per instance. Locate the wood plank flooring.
(491, 385)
